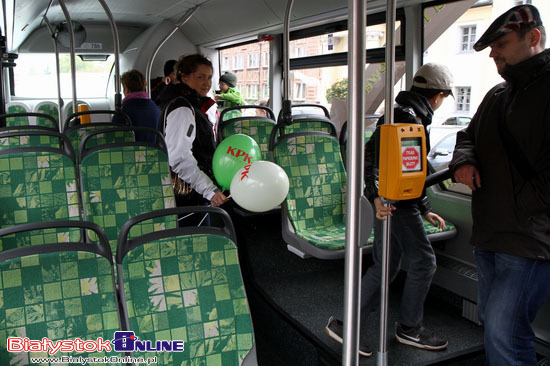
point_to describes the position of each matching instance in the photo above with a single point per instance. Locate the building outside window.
(252, 91)
(253, 60)
(299, 91)
(238, 62)
(463, 98)
(226, 63)
(467, 38)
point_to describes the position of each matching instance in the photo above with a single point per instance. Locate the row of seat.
(46, 107)
(169, 283)
(313, 214)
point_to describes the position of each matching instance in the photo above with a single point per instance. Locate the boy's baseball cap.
(512, 20)
(434, 76)
(229, 78)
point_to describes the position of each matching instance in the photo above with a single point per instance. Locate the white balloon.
(260, 186)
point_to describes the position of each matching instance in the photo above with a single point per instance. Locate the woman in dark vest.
(189, 132)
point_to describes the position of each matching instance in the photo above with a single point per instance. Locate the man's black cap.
(512, 20)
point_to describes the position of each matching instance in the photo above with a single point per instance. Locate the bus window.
(39, 69)
(250, 62)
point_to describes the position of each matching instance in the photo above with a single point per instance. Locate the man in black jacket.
(432, 83)
(504, 157)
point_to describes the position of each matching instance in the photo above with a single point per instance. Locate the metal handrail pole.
(73, 61)
(58, 74)
(116, 44)
(382, 355)
(356, 113)
(188, 14)
(286, 47)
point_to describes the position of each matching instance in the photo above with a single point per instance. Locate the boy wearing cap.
(230, 96)
(432, 83)
(504, 157)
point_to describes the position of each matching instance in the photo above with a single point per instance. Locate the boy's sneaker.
(335, 330)
(419, 337)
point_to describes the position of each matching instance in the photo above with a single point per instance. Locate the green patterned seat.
(122, 180)
(57, 292)
(316, 199)
(49, 108)
(23, 136)
(257, 128)
(306, 123)
(186, 284)
(37, 184)
(17, 108)
(77, 133)
(434, 233)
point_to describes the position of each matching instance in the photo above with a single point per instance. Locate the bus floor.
(291, 300)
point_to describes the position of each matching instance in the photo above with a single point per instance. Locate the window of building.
(299, 91)
(463, 98)
(253, 60)
(238, 62)
(226, 63)
(467, 38)
(265, 59)
(252, 92)
(265, 90)
(300, 51)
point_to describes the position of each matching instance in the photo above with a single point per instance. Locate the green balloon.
(233, 153)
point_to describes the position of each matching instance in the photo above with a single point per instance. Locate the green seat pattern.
(259, 129)
(19, 120)
(189, 288)
(430, 229)
(28, 140)
(49, 109)
(35, 187)
(317, 195)
(77, 134)
(121, 182)
(231, 114)
(307, 126)
(64, 295)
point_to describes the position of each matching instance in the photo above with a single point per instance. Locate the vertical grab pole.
(116, 44)
(382, 356)
(188, 14)
(73, 62)
(287, 104)
(57, 71)
(356, 113)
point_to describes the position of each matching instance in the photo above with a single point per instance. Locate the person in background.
(262, 112)
(432, 83)
(228, 95)
(189, 132)
(504, 157)
(137, 105)
(159, 84)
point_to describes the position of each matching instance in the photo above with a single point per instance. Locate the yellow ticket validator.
(402, 162)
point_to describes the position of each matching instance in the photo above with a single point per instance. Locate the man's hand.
(469, 175)
(435, 220)
(381, 210)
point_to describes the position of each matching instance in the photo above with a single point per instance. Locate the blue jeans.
(408, 239)
(511, 290)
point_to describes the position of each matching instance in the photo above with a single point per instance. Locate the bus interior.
(284, 289)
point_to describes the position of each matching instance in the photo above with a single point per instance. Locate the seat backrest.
(317, 178)
(56, 291)
(256, 127)
(77, 133)
(124, 179)
(20, 119)
(186, 284)
(49, 108)
(29, 136)
(37, 184)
